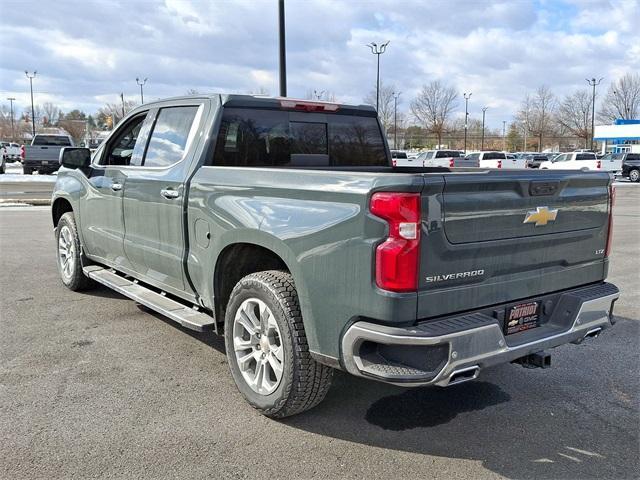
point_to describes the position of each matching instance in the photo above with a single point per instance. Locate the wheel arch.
(59, 207)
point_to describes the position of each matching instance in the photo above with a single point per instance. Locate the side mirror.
(75, 157)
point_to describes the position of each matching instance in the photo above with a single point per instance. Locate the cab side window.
(172, 134)
(128, 145)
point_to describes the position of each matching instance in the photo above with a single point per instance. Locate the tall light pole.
(526, 127)
(141, 83)
(466, 118)
(31, 76)
(395, 119)
(282, 50)
(122, 100)
(504, 139)
(593, 84)
(318, 95)
(484, 110)
(378, 50)
(11, 100)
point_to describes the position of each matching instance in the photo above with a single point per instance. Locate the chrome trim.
(477, 347)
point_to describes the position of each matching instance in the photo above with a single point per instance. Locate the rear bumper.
(455, 349)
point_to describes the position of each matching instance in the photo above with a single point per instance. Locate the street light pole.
(11, 100)
(283, 52)
(593, 84)
(504, 139)
(378, 50)
(395, 119)
(484, 110)
(141, 83)
(318, 95)
(466, 118)
(31, 76)
(122, 99)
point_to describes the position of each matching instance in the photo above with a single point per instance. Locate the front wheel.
(69, 255)
(634, 175)
(267, 347)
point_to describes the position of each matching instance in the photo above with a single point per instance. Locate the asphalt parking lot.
(92, 386)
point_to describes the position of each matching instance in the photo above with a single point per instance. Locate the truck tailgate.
(497, 236)
(42, 152)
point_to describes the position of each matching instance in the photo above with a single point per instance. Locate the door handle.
(169, 193)
(116, 187)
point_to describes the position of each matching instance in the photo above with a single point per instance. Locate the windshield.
(52, 140)
(447, 154)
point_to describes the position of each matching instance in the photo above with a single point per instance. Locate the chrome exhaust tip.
(463, 375)
(593, 333)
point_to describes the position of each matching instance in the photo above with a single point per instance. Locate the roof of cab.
(261, 101)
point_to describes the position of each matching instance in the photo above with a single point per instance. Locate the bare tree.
(538, 113)
(109, 115)
(385, 109)
(433, 107)
(51, 113)
(622, 99)
(574, 114)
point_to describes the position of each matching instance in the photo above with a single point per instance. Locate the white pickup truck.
(583, 161)
(497, 160)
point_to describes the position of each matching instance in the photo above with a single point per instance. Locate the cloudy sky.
(88, 51)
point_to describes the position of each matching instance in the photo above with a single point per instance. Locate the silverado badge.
(541, 216)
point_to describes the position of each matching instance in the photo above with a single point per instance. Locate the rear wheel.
(634, 175)
(70, 256)
(267, 347)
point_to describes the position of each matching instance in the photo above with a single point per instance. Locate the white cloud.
(499, 50)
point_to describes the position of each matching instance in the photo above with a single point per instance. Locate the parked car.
(399, 158)
(282, 224)
(10, 151)
(582, 161)
(534, 161)
(44, 152)
(445, 158)
(630, 165)
(496, 160)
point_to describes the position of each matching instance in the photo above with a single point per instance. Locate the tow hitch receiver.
(535, 360)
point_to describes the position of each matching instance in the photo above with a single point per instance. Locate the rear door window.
(268, 138)
(171, 137)
(586, 156)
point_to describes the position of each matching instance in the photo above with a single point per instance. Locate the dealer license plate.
(522, 317)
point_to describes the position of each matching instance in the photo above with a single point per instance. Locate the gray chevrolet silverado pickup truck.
(44, 152)
(283, 224)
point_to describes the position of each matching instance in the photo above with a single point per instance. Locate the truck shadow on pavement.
(556, 423)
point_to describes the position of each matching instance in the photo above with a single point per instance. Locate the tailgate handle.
(543, 188)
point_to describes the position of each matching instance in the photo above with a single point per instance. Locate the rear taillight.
(499, 163)
(598, 164)
(451, 163)
(612, 201)
(22, 152)
(394, 162)
(397, 257)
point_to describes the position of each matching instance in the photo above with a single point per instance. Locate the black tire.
(634, 175)
(75, 279)
(304, 382)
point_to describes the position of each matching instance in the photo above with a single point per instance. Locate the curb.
(24, 201)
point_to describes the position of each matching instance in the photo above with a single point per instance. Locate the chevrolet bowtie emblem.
(541, 216)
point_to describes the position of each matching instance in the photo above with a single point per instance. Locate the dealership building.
(621, 137)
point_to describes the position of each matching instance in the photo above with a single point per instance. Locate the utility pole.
(504, 139)
(484, 110)
(31, 76)
(283, 53)
(593, 84)
(11, 100)
(141, 83)
(122, 99)
(466, 118)
(395, 119)
(378, 50)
